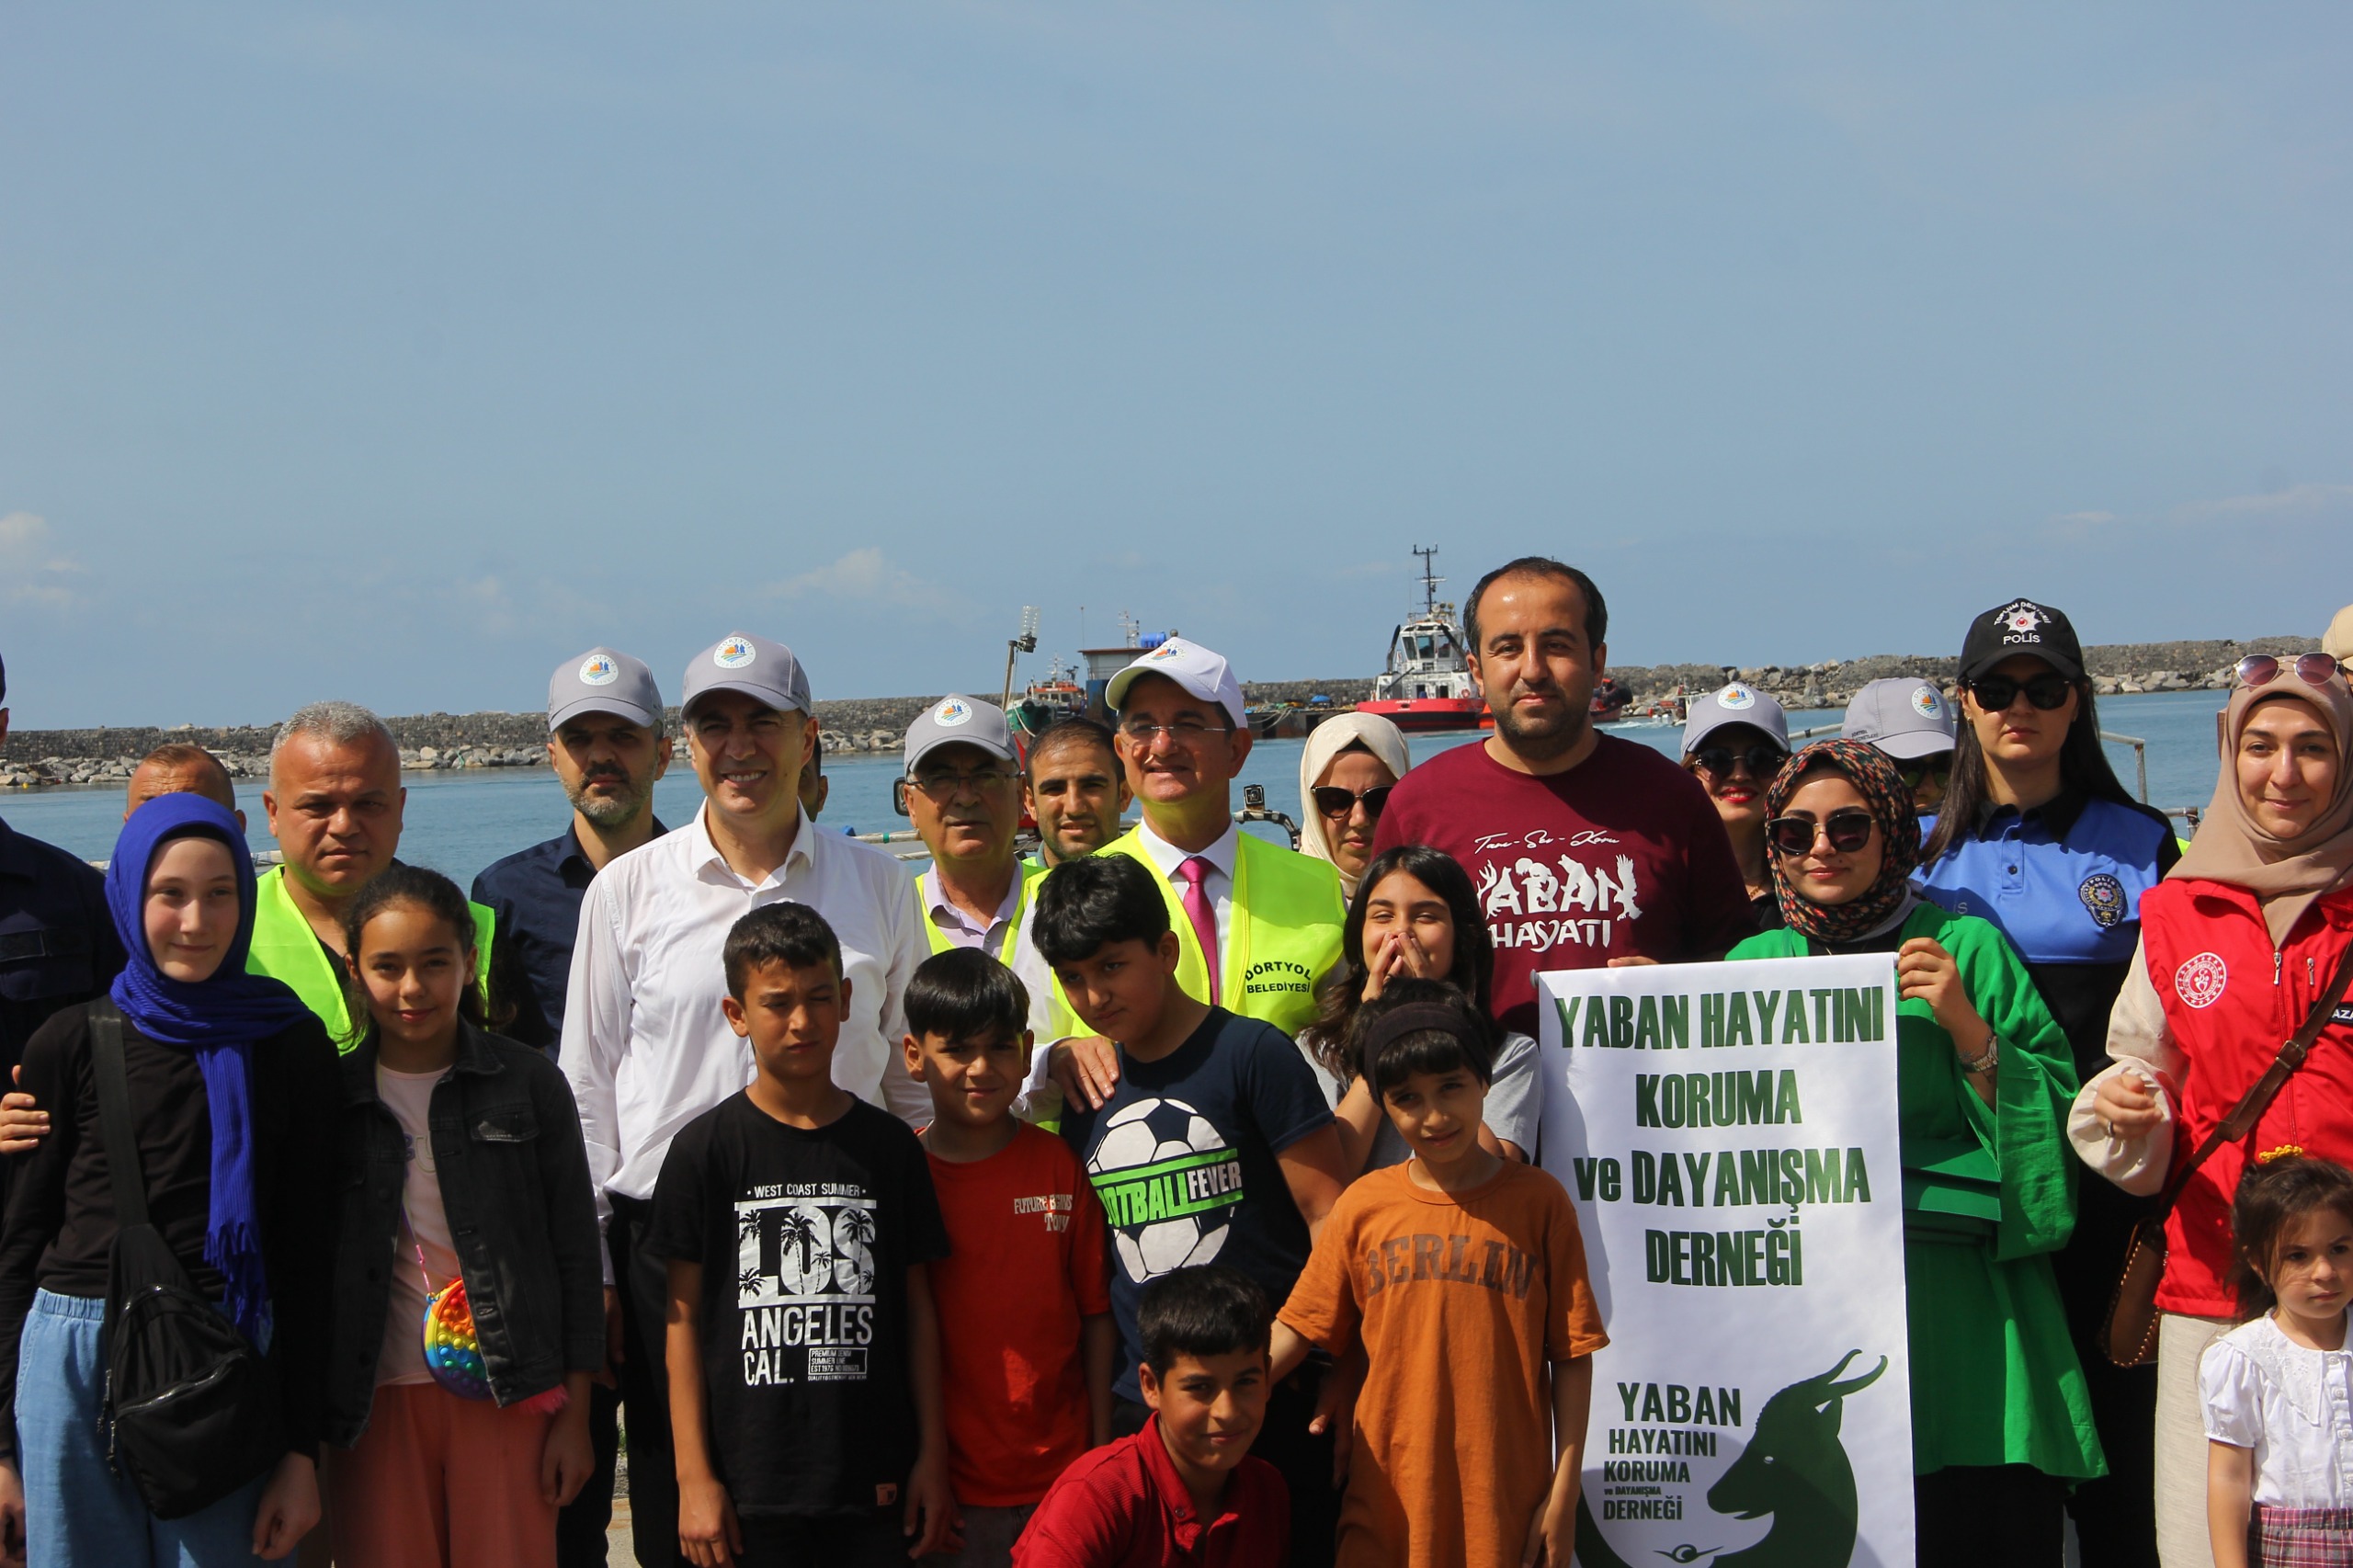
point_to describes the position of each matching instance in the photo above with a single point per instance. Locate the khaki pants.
(2182, 1540)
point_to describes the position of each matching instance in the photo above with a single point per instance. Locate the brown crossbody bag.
(2130, 1335)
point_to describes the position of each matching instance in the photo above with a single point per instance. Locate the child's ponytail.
(438, 896)
(2279, 1188)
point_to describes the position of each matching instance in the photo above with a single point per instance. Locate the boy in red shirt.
(1185, 1491)
(1025, 1305)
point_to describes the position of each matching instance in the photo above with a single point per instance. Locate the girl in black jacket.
(470, 1302)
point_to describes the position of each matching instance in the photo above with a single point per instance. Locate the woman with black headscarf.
(2001, 1424)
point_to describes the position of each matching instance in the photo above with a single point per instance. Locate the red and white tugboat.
(1428, 684)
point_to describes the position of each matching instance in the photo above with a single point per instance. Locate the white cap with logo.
(1193, 667)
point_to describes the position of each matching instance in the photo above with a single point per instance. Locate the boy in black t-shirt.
(798, 1222)
(1215, 1145)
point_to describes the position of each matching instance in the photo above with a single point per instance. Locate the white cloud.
(864, 574)
(31, 568)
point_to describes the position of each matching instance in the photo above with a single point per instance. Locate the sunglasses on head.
(2312, 669)
(1764, 759)
(1849, 830)
(1334, 801)
(2046, 691)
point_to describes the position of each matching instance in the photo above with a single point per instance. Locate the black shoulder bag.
(191, 1410)
(2130, 1334)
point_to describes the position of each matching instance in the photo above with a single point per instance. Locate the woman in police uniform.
(2038, 837)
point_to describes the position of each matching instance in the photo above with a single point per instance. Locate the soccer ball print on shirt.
(1168, 1182)
(804, 1282)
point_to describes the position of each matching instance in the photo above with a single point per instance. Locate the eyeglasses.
(1919, 769)
(1334, 801)
(1848, 831)
(2312, 669)
(942, 787)
(1994, 693)
(1185, 732)
(1764, 759)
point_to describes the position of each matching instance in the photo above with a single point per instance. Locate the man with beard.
(1586, 849)
(606, 746)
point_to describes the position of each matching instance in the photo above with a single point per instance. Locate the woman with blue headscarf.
(234, 1095)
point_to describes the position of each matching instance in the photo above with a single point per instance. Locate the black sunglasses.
(1764, 760)
(1937, 765)
(1994, 693)
(1334, 801)
(1848, 831)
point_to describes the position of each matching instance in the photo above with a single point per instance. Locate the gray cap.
(959, 720)
(604, 681)
(752, 666)
(1906, 718)
(1735, 704)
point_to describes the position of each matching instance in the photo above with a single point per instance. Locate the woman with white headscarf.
(1351, 762)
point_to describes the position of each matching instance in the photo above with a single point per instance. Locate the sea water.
(459, 821)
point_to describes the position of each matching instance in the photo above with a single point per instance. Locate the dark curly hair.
(2273, 1195)
(1473, 971)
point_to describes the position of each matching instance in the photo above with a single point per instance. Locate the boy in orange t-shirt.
(1464, 1276)
(1026, 1339)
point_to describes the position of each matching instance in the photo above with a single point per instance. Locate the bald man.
(180, 769)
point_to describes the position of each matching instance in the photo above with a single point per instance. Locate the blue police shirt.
(536, 894)
(58, 947)
(2064, 883)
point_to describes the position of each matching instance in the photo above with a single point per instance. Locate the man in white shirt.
(646, 1045)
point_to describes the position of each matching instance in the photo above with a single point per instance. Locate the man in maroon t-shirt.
(1586, 849)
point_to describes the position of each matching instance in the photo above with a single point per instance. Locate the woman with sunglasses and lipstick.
(1350, 763)
(2237, 949)
(1734, 742)
(2001, 1423)
(2037, 836)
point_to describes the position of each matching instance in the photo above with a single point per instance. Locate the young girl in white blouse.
(2279, 1388)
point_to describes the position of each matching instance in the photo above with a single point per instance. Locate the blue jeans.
(78, 1513)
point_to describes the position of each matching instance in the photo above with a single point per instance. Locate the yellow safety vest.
(1285, 933)
(285, 948)
(1062, 1022)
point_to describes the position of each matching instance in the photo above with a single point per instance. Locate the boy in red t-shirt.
(1027, 1339)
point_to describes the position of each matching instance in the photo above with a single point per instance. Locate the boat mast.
(1428, 552)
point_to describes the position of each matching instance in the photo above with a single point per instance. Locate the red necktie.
(1198, 909)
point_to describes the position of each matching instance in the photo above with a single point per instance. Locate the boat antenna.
(1428, 552)
(1027, 642)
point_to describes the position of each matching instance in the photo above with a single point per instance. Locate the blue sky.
(398, 353)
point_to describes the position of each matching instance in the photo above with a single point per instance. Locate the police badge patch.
(2103, 896)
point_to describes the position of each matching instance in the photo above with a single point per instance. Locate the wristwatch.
(1986, 1060)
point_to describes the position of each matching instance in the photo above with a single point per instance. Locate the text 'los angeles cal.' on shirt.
(805, 1237)
(1622, 856)
(1182, 1157)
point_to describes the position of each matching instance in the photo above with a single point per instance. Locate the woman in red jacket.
(2236, 946)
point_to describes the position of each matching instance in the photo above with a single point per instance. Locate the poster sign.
(1728, 1132)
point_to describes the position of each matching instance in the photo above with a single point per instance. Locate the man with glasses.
(646, 1042)
(1586, 849)
(1258, 923)
(1910, 721)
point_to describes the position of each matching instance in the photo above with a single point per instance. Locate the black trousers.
(644, 1283)
(1983, 1515)
(580, 1527)
(1304, 1458)
(2115, 1517)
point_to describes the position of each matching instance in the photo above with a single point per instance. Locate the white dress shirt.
(1218, 884)
(646, 1045)
(959, 930)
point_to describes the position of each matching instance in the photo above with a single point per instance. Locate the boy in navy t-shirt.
(1216, 1145)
